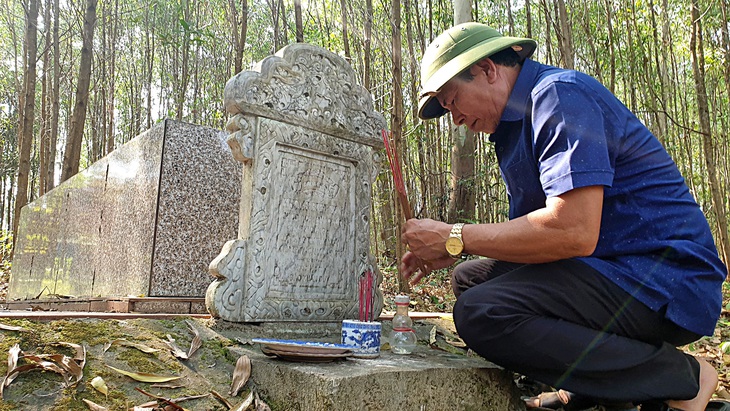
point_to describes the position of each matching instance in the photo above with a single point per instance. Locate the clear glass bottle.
(403, 340)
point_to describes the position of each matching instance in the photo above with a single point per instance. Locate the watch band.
(456, 230)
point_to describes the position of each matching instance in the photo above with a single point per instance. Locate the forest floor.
(433, 294)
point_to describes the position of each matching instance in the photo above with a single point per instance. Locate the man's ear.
(487, 65)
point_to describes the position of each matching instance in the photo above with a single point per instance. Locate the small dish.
(303, 347)
(303, 357)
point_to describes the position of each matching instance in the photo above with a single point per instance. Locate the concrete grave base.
(428, 379)
(420, 381)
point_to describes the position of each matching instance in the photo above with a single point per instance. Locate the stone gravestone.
(307, 136)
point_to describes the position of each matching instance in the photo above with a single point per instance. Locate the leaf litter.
(71, 366)
(240, 375)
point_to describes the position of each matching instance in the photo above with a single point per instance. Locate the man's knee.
(472, 314)
(485, 321)
(459, 280)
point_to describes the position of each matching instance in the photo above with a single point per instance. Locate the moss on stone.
(92, 332)
(142, 362)
(218, 348)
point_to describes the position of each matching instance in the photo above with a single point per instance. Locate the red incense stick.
(395, 167)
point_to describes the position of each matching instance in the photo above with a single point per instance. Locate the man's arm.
(568, 226)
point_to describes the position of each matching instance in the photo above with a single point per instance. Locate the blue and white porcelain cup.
(363, 337)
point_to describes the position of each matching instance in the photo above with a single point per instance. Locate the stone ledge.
(425, 380)
(142, 305)
(430, 379)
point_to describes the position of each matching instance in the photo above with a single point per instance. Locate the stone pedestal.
(143, 221)
(306, 134)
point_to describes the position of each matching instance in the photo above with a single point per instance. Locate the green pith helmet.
(454, 51)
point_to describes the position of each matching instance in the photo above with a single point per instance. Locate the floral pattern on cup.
(363, 336)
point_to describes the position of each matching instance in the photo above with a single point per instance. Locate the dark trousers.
(566, 325)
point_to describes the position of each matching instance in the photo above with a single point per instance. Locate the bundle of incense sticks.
(394, 161)
(395, 168)
(367, 296)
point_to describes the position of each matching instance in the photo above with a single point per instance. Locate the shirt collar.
(517, 103)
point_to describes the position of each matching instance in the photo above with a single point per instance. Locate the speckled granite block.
(135, 223)
(197, 212)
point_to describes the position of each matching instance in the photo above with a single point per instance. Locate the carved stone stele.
(307, 135)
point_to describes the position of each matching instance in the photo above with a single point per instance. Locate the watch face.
(454, 246)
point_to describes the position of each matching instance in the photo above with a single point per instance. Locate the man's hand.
(426, 238)
(410, 271)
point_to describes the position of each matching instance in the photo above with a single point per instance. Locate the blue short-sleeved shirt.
(562, 130)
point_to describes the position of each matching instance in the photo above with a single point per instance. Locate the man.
(607, 263)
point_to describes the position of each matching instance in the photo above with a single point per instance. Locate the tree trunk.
(99, 101)
(725, 46)
(55, 106)
(611, 47)
(25, 139)
(462, 200)
(274, 8)
(46, 78)
(108, 116)
(397, 121)
(184, 64)
(345, 35)
(510, 19)
(298, 21)
(367, 43)
(72, 155)
(282, 20)
(548, 30)
(149, 52)
(528, 18)
(565, 37)
(413, 66)
(657, 103)
(698, 68)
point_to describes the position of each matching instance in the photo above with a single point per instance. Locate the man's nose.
(457, 117)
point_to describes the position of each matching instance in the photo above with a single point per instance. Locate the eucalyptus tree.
(27, 116)
(463, 185)
(239, 30)
(708, 143)
(72, 154)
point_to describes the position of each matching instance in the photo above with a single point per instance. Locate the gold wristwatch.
(454, 244)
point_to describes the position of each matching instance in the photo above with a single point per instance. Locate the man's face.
(478, 103)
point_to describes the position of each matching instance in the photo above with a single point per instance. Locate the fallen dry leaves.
(100, 385)
(94, 406)
(240, 375)
(195, 344)
(146, 377)
(71, 369)
(11, 328)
